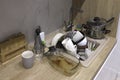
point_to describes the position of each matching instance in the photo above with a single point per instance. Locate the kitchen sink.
(93, 53)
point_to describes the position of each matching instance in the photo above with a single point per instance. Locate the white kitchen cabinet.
(111, 68)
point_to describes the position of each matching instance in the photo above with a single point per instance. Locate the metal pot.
(96, 27)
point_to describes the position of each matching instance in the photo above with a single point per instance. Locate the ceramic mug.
(28, 59)
(77, 36)
(70, 47)
(83, 42)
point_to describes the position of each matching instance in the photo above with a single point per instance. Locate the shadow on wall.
(25, 15)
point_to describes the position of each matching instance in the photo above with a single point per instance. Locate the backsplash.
(25, 15)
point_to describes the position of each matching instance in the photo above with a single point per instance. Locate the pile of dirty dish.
(73, 43)
(68, 50)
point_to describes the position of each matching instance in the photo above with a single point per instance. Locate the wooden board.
(12, 46)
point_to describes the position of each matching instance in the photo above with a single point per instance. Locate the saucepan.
(96, 27)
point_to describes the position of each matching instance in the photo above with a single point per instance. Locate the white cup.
(28, 59)
(83, 42)
(70, 47)
(77, 36)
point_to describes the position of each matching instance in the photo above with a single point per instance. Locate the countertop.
(13, 69)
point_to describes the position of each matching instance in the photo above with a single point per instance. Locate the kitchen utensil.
(69, 46)
(42, 36)
(92, 45)
(83, 42)
(27, 59)
(77, 36)
(96, 27)
(38, 44)
(68, 26)
(52, 51)
(83, 56)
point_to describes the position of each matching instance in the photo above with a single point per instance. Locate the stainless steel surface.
(96, 27)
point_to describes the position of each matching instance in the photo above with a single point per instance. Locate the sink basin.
(93, 54)
(96, 52)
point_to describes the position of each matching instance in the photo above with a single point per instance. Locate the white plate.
(56, 38)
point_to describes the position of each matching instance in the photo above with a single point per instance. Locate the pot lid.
(96, 21)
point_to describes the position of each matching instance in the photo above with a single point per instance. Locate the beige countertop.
(13, 69)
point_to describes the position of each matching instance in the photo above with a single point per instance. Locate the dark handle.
(38, 30)
(106, 31)
(52, 49)
(96, 19)
(110, 20)
(84, 26)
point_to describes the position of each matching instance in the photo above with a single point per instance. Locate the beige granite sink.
(93, 54)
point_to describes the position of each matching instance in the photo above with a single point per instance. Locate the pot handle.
(85, 26)
(110, 20)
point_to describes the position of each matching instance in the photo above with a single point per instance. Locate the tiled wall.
(25, 15)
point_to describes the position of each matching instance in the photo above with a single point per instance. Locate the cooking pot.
(96, 27)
